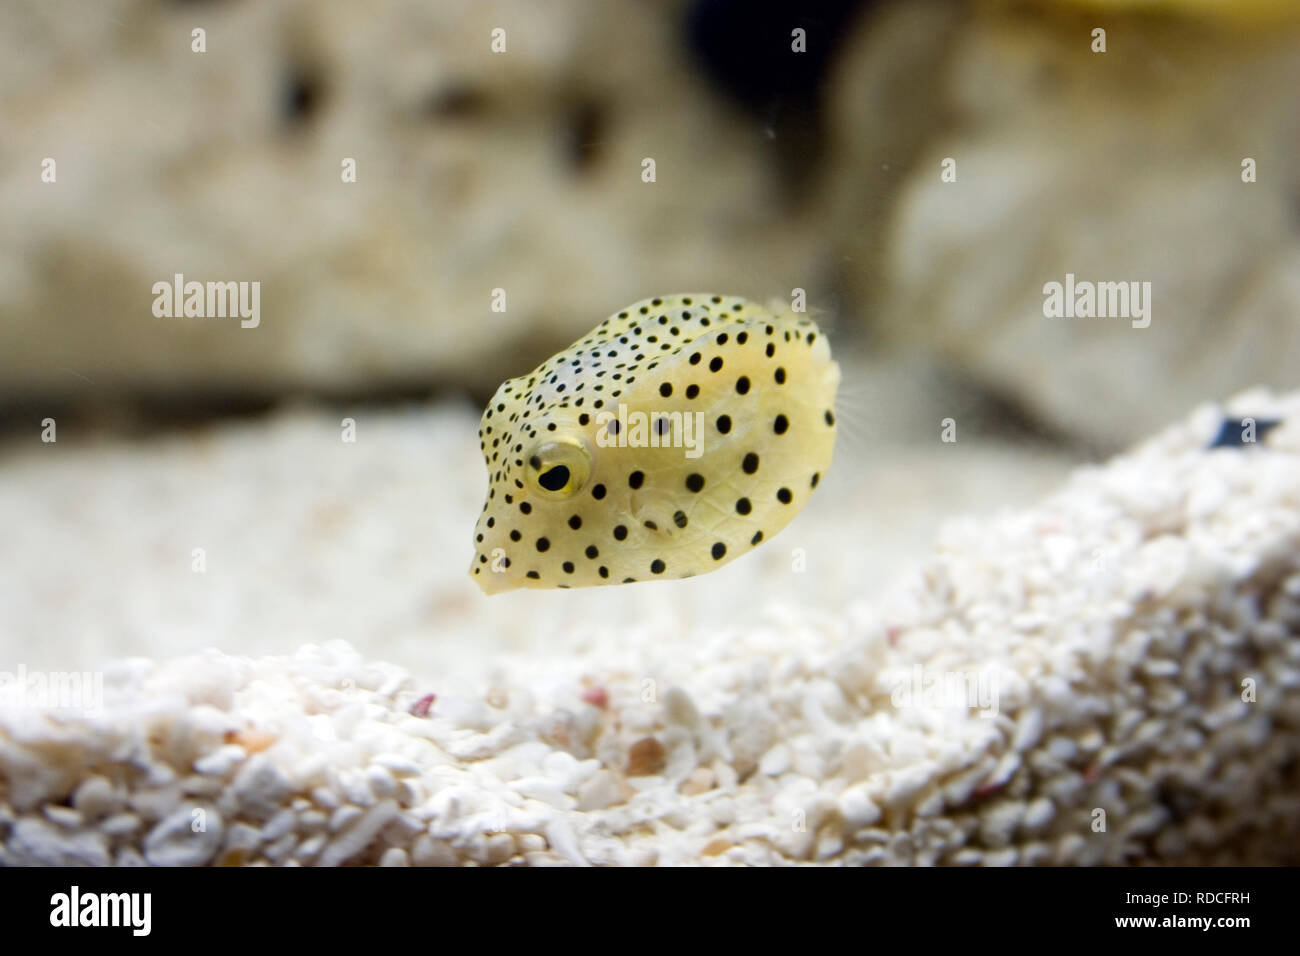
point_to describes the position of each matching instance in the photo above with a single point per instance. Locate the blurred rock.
(522, 172)
(1119, 166)
(475, 171)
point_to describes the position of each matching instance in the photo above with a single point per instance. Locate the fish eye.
(555, 478)
(559, 468)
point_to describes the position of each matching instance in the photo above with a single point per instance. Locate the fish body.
(678, 435)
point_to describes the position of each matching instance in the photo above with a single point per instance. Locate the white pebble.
(599, 792)
(398, 764)
(530, 842)
(679, 709)
(36, 842)
(829, 845)
(309, 847)
(260, 786)
(775, 762)
(356, 789)
(410, 792)
(491, 849)
(96, 797)
(1005, 770)
(857, 807)
(381, 781)
(188, 837)
(430, 852)
(357, 837)
(242, 837)
(63, 816)
(154, 803)
(559, 765)
(310, 820)
(545, 790)
(1039, 814)
(907, 783)
(344, 816)
(324, 797)
(281, 848)
(222, 761)
(196, 785)
(280, 824)
(564, 841)
(120, 824)
(394, 856)
(1029, 730)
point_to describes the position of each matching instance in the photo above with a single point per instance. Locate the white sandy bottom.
(1110, 676)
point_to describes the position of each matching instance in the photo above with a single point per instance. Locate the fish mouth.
(491, 582)
(483, 581)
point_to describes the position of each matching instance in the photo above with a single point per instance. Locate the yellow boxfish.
(677, 435)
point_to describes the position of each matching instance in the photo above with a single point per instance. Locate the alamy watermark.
(209, 300)
(80, 692)
(632, 429)
(1101, 300)
(962, 690)
(133, 911)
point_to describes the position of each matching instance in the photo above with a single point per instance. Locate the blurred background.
(775, 169)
